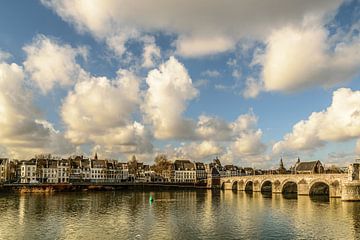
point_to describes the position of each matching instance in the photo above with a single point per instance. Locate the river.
(188, 214)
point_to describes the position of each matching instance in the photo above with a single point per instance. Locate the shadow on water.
(266, 194)
(319, 198)
(290, 195)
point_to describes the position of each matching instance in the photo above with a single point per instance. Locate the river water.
(190, 214)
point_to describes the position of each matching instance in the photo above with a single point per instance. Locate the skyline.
(249, 82)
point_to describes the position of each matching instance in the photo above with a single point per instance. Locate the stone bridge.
(302, 184)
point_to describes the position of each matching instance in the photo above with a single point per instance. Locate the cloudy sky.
(248, 81)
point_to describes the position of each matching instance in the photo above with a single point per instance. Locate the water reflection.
(176, 215)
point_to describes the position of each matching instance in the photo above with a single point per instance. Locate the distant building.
(4, 169)
(28, 171)
(312, 167)
(231, 170)
(184, 171)
(201, 174)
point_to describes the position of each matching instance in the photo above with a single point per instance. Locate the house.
(201, 174)
(231, 170)
(79, 169)
(28, 171)
(184, 171)
(312, 167)
(98, 170)
(249, 171)
(4, 169)
(63, 169)
(122, 173)
(48, 169)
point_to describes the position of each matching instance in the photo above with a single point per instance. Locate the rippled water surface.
(175, 215)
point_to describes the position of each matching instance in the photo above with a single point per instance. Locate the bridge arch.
(234, 185)
(266, 186)
(319, 187)
(249, 186)
(289, 186)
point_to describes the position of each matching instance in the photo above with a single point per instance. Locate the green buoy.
(151, 199)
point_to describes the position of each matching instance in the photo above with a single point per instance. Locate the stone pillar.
(276, 187)
(303, 189)
(335, 190)
(256, 186)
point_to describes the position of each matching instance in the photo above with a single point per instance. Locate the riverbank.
(74, 187)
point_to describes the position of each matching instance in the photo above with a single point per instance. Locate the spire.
(96, 158)
(281, 164)
(298, 160)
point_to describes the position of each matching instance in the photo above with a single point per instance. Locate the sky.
(247, 81)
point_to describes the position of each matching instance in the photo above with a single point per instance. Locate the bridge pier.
(256, 186)
(351, 191)
(303, 189)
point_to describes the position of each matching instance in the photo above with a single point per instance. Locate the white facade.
(28, 173)
(185, 176)
(63, 173)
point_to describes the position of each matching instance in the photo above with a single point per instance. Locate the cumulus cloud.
(49, 63)
(339, 122)
(23, 131)
(201, 46)
(170, 89)
(298, 57)
(99, 111)
(198, 150)
(206, 22)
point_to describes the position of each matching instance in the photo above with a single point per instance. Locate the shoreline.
(81, 187)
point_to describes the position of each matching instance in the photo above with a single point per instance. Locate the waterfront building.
(231, 170)
(98, 170)
(48, 169)
(4, 169)
(201, 174)
(184, 171)
(311, 167)
(63, 169)
(122, 171)
(28, 171)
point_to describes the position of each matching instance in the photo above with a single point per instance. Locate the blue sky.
(248, 82)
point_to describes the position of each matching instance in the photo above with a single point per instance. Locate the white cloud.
(201, 46)
(151, 54)
(50, 63)
(248, 144)
(339, 122)
(252, 88)
(23, 132)
(211, 73)
(99, 111)
(170, 88)
(213, 128)
(198, 25)
(298, 57)
(198, 150)
(4, 56)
